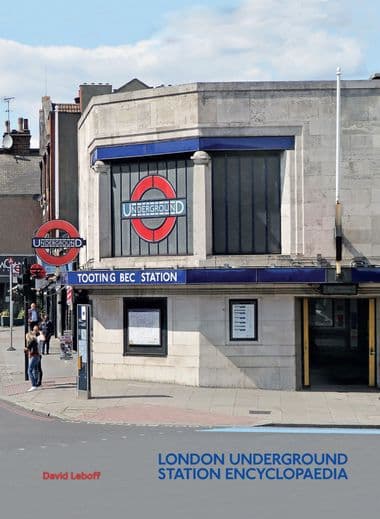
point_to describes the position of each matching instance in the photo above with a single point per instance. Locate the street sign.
(57, 250)
(16, 261)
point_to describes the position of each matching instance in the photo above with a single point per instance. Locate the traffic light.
(28, 285)
(20, 286)
(25, 283)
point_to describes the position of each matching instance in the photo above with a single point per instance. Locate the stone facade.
(199, 349)
(305, 110)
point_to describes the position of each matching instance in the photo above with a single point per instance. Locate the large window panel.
(247, 206)
(233, 205)
(259, 215)
(219, 205)
(246, 203)
(273, 203)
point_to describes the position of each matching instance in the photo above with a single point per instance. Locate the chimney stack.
(86, 92)
(21, 137)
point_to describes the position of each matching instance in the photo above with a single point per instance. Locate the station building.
(209, 214)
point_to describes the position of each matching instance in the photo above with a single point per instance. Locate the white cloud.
(260, 40)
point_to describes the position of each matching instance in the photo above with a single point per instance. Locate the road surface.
(127, 459)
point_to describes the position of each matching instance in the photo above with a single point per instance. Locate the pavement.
(150, 403)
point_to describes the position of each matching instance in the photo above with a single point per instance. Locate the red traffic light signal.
(37, 271)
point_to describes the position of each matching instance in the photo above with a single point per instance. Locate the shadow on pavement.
(67, 385)
(129, 396)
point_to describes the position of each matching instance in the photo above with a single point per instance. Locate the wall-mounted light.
(100, 167)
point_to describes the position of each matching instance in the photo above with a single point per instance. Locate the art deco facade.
(208, 211)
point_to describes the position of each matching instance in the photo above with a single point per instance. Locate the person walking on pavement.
(34, 356)
(33, 316)
(40, 340)
(47, 329)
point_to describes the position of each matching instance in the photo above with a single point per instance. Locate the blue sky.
(92, 23)
(50, 48)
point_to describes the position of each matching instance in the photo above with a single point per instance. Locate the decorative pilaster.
(202, 205)
(102, 210)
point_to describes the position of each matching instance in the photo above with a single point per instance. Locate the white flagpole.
(338, 207)
(337, 151)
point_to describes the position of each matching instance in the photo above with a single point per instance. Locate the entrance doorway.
(339, 342)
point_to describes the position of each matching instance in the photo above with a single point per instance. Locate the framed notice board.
(243, 319)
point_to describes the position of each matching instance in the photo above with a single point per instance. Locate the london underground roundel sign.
(37, 271)
(168, 208)
(57, 242)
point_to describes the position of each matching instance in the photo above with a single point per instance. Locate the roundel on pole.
(168, 208)
(37, 271)
(57, 242)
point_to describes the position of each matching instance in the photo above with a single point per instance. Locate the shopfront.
(5, 267)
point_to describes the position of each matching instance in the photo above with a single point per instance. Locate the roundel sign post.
(65, 239)
(37, 271)
(167, 208)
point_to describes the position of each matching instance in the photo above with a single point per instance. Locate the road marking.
(295, 430)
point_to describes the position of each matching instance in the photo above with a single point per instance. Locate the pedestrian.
(47, 330)
(33, 316)
(34, 356)
(40, 339)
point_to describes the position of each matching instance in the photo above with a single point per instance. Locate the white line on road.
(295, 430)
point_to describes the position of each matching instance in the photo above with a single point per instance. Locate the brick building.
(20, 211)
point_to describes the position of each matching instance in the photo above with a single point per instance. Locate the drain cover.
(259, 412)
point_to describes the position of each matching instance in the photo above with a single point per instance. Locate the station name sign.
(127, 277)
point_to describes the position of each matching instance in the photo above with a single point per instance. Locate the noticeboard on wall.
(243, 320)
(144, 327)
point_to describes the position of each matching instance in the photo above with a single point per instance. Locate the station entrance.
(339, 343)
